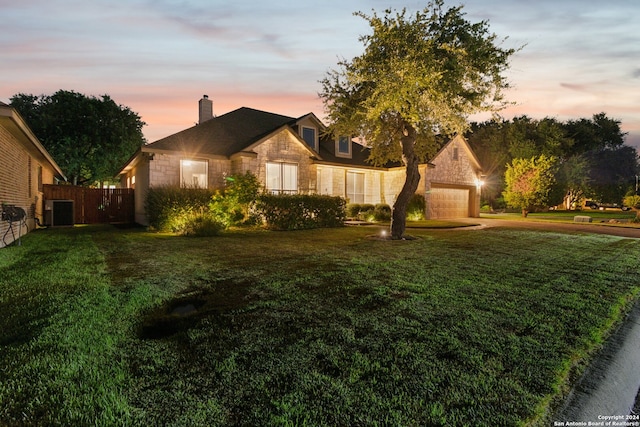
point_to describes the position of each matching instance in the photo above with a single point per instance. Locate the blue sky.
(158, 57)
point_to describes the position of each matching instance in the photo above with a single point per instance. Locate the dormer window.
(343, 146)
(309, 136)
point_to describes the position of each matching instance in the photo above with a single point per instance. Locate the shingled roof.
(224, 135)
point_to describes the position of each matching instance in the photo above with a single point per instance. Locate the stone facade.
(455, 169)
(295, 145)
(283, 147)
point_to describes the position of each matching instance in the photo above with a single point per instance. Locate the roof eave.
(13, 115)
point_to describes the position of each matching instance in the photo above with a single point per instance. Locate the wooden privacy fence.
(95, 205)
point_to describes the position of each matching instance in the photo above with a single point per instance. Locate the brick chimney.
(205, 107)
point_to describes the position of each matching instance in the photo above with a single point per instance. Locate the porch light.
(479, 183)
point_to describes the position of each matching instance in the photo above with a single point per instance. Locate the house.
(26, 167)
(294, 155)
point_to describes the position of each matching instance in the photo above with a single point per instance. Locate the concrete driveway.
(580, 227)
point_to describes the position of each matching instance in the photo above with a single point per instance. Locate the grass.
(598, 216)
(102, 326)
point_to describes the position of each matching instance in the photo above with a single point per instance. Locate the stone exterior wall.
(449, 170)
(393, 181)
(283, 147)
(453, 167)
(164, 170)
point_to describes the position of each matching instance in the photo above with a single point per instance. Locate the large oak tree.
(90, 138)
(419, 76)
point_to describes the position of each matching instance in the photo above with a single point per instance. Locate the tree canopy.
(529, 182)
(593, 161)
(419, 76)
(89, 137)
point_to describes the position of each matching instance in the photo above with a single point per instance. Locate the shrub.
(364, 212)
(353, 210)
(197, 211)
(202, 225)
(301, 211)
(382, 212)
(416, 208)
(633, 201)
(170, 207)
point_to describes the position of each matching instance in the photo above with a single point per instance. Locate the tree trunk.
(410, 160)
(525, 212)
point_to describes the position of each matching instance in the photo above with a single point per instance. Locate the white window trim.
(282, 190)
(364, 185)
(346, 155)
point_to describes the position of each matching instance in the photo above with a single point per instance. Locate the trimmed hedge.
(382, 212)
(368, 212)
(301, 211)
(416, 208)
(172, 208)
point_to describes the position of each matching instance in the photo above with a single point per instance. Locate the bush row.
(369, 212)
(382, 211)
(201, 212)
(177, 209)
(301, 211)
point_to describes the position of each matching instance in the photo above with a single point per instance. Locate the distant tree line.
(588, 157)
(90, 138)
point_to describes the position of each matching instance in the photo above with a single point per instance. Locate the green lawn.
(321, 327)
(597, 216)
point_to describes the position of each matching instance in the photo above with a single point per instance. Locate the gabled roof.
(224, 135)
(359, 154)
(465, 145)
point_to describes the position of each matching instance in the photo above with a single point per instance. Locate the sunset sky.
(159, 57)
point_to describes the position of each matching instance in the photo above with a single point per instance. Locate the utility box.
(59, 213)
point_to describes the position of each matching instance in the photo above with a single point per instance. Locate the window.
(355, 187)
(40, 186)
(455, 153)
(343, 147)
(282, 178)
(29, 182)
(193, 173)
(325, 181)
(309, 136)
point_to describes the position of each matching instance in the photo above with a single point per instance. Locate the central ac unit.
(59, 213)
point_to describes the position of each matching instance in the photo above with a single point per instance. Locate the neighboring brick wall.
(19, 182)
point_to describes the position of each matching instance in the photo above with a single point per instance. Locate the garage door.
(449, 203)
